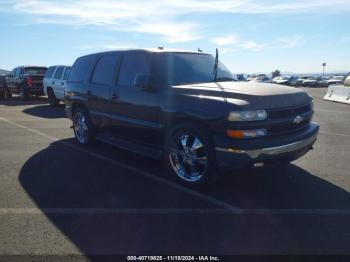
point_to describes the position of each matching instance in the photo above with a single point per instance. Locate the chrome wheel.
(188, 157)
(81, 127)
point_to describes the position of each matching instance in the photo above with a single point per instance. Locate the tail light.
(29, 81)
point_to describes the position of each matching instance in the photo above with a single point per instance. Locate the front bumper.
(266, 150)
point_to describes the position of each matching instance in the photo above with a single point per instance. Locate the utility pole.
(323, 66)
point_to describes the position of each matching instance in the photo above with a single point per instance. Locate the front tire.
(190, 155)
(84, 131)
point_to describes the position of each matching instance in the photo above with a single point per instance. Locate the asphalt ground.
(58, 198)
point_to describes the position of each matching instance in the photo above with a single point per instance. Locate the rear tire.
(190, 155)
(84, 130)
(23, 94)
(53, 101)
(8, 94)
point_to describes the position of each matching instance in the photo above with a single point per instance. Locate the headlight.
(247, 115)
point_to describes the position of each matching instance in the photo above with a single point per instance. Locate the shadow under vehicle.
(46, 111)
(114, 210)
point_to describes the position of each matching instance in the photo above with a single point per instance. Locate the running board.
(121, 143)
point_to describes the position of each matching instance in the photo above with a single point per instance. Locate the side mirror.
(144, 82)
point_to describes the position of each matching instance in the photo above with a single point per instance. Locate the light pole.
(323, 66)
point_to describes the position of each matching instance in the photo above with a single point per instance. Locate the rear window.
(35, 70)
(80, 69)
(50, 71)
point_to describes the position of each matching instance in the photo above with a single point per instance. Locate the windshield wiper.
(216, 65)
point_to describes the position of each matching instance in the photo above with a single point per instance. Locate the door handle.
(62, 84)
(88, 92)
(115, 96)
(53, 82)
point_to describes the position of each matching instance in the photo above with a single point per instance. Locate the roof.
(151, 50)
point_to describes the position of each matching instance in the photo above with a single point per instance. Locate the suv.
(2, 86)
(55, 81)
(25, 81)
(183, 106)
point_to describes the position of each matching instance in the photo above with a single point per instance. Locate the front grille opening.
(282, 113)
(287, 127)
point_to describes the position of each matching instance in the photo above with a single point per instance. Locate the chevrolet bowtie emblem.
(298, 120)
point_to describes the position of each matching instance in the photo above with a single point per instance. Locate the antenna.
(200, 50)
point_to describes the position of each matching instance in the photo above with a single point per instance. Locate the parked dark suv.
(25, 81)
(185, 107)
(2, 86)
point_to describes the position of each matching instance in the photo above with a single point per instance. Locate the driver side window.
(133, 64)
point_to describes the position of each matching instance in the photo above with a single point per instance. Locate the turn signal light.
(246, 133)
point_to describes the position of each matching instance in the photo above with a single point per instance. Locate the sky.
(252, 36)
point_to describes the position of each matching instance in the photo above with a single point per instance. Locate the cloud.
(158, 17)
(252, 46)
(291, 42)
(225, 40)
(231, 43)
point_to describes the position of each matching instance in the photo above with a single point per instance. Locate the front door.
(135, 111)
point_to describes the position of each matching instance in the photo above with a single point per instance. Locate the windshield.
(187, 68)
(35, 70)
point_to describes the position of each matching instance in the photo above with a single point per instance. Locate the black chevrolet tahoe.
(25, 81)
(185, 107)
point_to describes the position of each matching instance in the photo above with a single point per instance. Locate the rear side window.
(66, 73)
(105, 70)
(59, 72)
(133, 64)
(49, 72)
(80, 69)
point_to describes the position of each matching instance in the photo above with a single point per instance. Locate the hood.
(248, 95)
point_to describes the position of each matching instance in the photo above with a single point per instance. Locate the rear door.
(48, 78)
(101, 81)
(57, 82)
(11, 80)
(64, 79)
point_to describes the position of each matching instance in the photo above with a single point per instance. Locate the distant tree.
(276, 73)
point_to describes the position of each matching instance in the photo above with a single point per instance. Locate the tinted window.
(80, 69)
(186, 68)
(35, 70)
(133, 65)
(17, 72)
(50, 71)
(104, 72)
(59, 72)
(66, 73)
